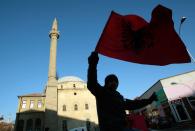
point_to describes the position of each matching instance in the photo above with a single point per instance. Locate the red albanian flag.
(131, 38)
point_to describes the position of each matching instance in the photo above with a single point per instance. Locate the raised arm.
(136, 104)
(92, 83)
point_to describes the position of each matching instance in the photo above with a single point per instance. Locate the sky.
(25, 43)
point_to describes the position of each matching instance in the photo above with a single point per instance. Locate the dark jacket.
(111, 105)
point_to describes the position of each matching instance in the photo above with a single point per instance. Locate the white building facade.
(176, 96)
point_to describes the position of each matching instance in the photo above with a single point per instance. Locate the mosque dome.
(70, 79)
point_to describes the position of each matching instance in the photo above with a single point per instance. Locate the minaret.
(51, 118)
(54, 35)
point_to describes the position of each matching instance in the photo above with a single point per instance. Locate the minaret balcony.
(54, 33)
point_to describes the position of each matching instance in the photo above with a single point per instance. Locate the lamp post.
(183, 18)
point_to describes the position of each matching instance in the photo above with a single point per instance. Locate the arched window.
(88, 125)
(24, 104)
(32, 103)
(20, 126)
(64, 108)
(64, 125)
(86, 106)
(29, 125)
(39, 104)
(75, 107)
(38, 124)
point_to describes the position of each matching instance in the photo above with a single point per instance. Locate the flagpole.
(181, 22)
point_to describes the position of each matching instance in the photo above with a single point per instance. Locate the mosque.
(65, 105)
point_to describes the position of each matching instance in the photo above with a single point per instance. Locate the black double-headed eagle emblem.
(135, 40)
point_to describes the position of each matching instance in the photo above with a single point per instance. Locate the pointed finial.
(54, 31)
(55, 25)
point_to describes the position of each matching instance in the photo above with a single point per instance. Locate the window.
(29, 125)
(64, 125)
(64, 108)
(75, 107)
(74, 85)
(191, 101)
(20, 126)
(86, 106)
(24, 104)
(31, 104)
(38, 124)
(39, 104)
(75, 93)
(88, 125)
(61, 86)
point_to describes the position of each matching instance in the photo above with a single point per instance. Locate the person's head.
(111, 82)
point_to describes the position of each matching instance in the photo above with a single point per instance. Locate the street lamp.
(186, 85)
(189, 87)
(181, 22)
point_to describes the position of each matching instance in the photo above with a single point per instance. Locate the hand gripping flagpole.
(181, 22)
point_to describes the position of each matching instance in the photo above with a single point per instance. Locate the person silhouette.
(111, 105)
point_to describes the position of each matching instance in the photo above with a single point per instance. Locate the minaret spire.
(51, 90)
(55, 25)
(54, 29)
(54, 35)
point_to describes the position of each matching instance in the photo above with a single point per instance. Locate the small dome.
(70, 79)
